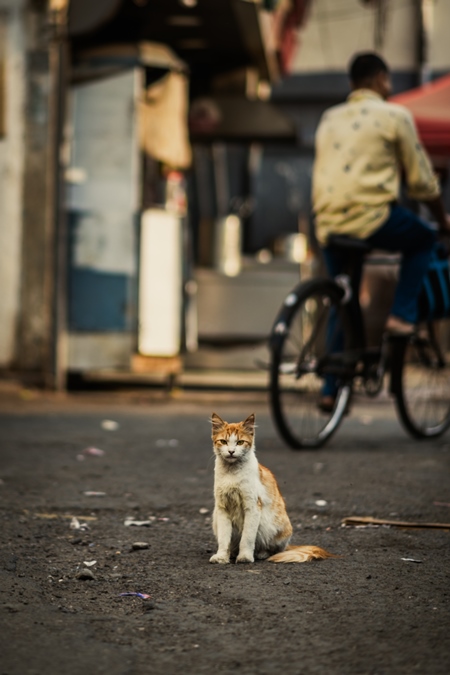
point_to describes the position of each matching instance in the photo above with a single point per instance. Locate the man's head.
(369, 71)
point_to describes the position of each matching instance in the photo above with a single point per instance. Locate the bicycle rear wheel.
(421, 380)
(302, 360)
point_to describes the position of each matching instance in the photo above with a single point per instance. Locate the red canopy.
(430, 106)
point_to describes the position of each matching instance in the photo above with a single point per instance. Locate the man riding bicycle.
(362, 148)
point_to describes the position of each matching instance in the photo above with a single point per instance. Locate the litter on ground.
(131, 522)
(94, 452)
(413, 560)
(76, 525)
(110, 425)
(359, 521)
(139, 545)
(53, 516)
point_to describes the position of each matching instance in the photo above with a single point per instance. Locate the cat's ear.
(249, 424)
(217, 422)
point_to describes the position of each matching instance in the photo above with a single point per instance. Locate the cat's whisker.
(211, 458)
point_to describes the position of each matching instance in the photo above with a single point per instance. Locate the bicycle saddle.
(342, 241)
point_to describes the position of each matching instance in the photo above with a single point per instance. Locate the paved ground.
(372, 611)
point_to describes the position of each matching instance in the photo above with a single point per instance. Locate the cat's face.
(232, 442)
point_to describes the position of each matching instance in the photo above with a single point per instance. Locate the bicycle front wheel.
(421, 380)
(307, 345)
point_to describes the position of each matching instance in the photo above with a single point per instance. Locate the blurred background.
(155, 162)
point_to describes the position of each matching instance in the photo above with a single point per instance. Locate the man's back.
(361, 146)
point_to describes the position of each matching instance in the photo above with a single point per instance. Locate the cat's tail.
(300, 554)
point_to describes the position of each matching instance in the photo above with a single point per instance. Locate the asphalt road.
(381, 608)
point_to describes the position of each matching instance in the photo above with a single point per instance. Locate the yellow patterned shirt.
(362, 146)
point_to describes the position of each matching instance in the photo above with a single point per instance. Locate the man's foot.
(327, 402)
(396, 326)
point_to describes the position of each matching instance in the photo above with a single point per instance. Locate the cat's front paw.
(219, 558)
(245, 558)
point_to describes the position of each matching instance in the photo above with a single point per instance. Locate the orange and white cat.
(249, 520)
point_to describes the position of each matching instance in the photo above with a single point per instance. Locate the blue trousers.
(405, 233)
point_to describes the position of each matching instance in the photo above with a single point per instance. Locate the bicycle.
(318, 333)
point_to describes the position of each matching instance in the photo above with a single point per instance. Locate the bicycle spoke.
(423, 384)
(300, 368)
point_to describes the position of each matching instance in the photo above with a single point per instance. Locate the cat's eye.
(223, 441)
(240, 443)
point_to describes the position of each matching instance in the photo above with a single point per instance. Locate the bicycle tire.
(297, 343)
(421, 380)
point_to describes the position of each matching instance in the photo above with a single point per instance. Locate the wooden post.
(41, 329)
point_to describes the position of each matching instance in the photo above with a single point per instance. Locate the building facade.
(12, 153)
(259, 174)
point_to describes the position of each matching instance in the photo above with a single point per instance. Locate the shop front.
(180, 242)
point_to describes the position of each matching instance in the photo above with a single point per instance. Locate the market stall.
(430, 106)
